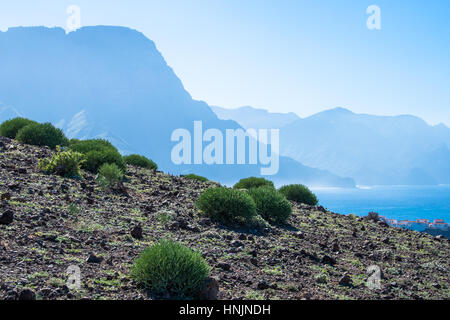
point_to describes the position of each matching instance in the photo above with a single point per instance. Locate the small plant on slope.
(299, 193)
(97, 153)
(169, 267)
(85, 146)
(44, 134)
(109, 176)
(10, 128)
(140, 161)
(372, 216)
(63, 163)
(253, 182)
(271, 205)
(227, 205)
(196, 177)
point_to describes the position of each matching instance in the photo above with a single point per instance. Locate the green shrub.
(253, 182)
(95, 159)
(372, 216)
(257, 222)
(85, 146)
(10, 128)
(140, 161)
(227, 205)
(97, 153)
(63, 163)
(299, 193)
(196, 177)
(321, 278)
(270, 204)
(169, 267)
(109, 175)
(74, 141)
(42, 135)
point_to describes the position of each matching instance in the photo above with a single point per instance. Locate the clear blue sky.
(285, 55)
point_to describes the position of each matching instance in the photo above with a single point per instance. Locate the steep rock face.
(60, 223)
(112, 82)
(113, 78)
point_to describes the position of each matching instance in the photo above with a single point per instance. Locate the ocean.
(393, 202)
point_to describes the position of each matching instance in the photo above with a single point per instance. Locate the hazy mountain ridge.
(112, 82)
(371, 149)
(251, 118)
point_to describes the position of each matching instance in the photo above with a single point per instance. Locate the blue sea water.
(393, 202)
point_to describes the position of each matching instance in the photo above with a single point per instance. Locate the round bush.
(95, 159)
(10, 128)
(253, 182)
(227, 205)
(196, 177)
(97, 152)
(169, 267)
(42, 135)
(299, 193)
(85, 146)
(270, 204)
(140, 161)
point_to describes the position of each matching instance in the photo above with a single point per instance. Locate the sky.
(299, 56)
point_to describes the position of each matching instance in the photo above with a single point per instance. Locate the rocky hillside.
(48, 223)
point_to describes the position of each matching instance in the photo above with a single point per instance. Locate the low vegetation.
(63, 163)
(372, 216)
(10, 128)
(44, 134)
(299, 193)
(171, 268)
(140, 161)
(85, 146)
(253, 182)
(227, 205)
(110, 176)
(271, 205)
(196, 177)
(95, 159)
(98, 152)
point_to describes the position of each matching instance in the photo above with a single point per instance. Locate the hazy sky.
(285, 55)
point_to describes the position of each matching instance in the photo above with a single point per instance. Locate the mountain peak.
(338, 110)
(101, 33)
(441, 126)
(255, 118)
(105, 29)
(332, 113)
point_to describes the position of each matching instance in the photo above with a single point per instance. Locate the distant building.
(438, 226)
